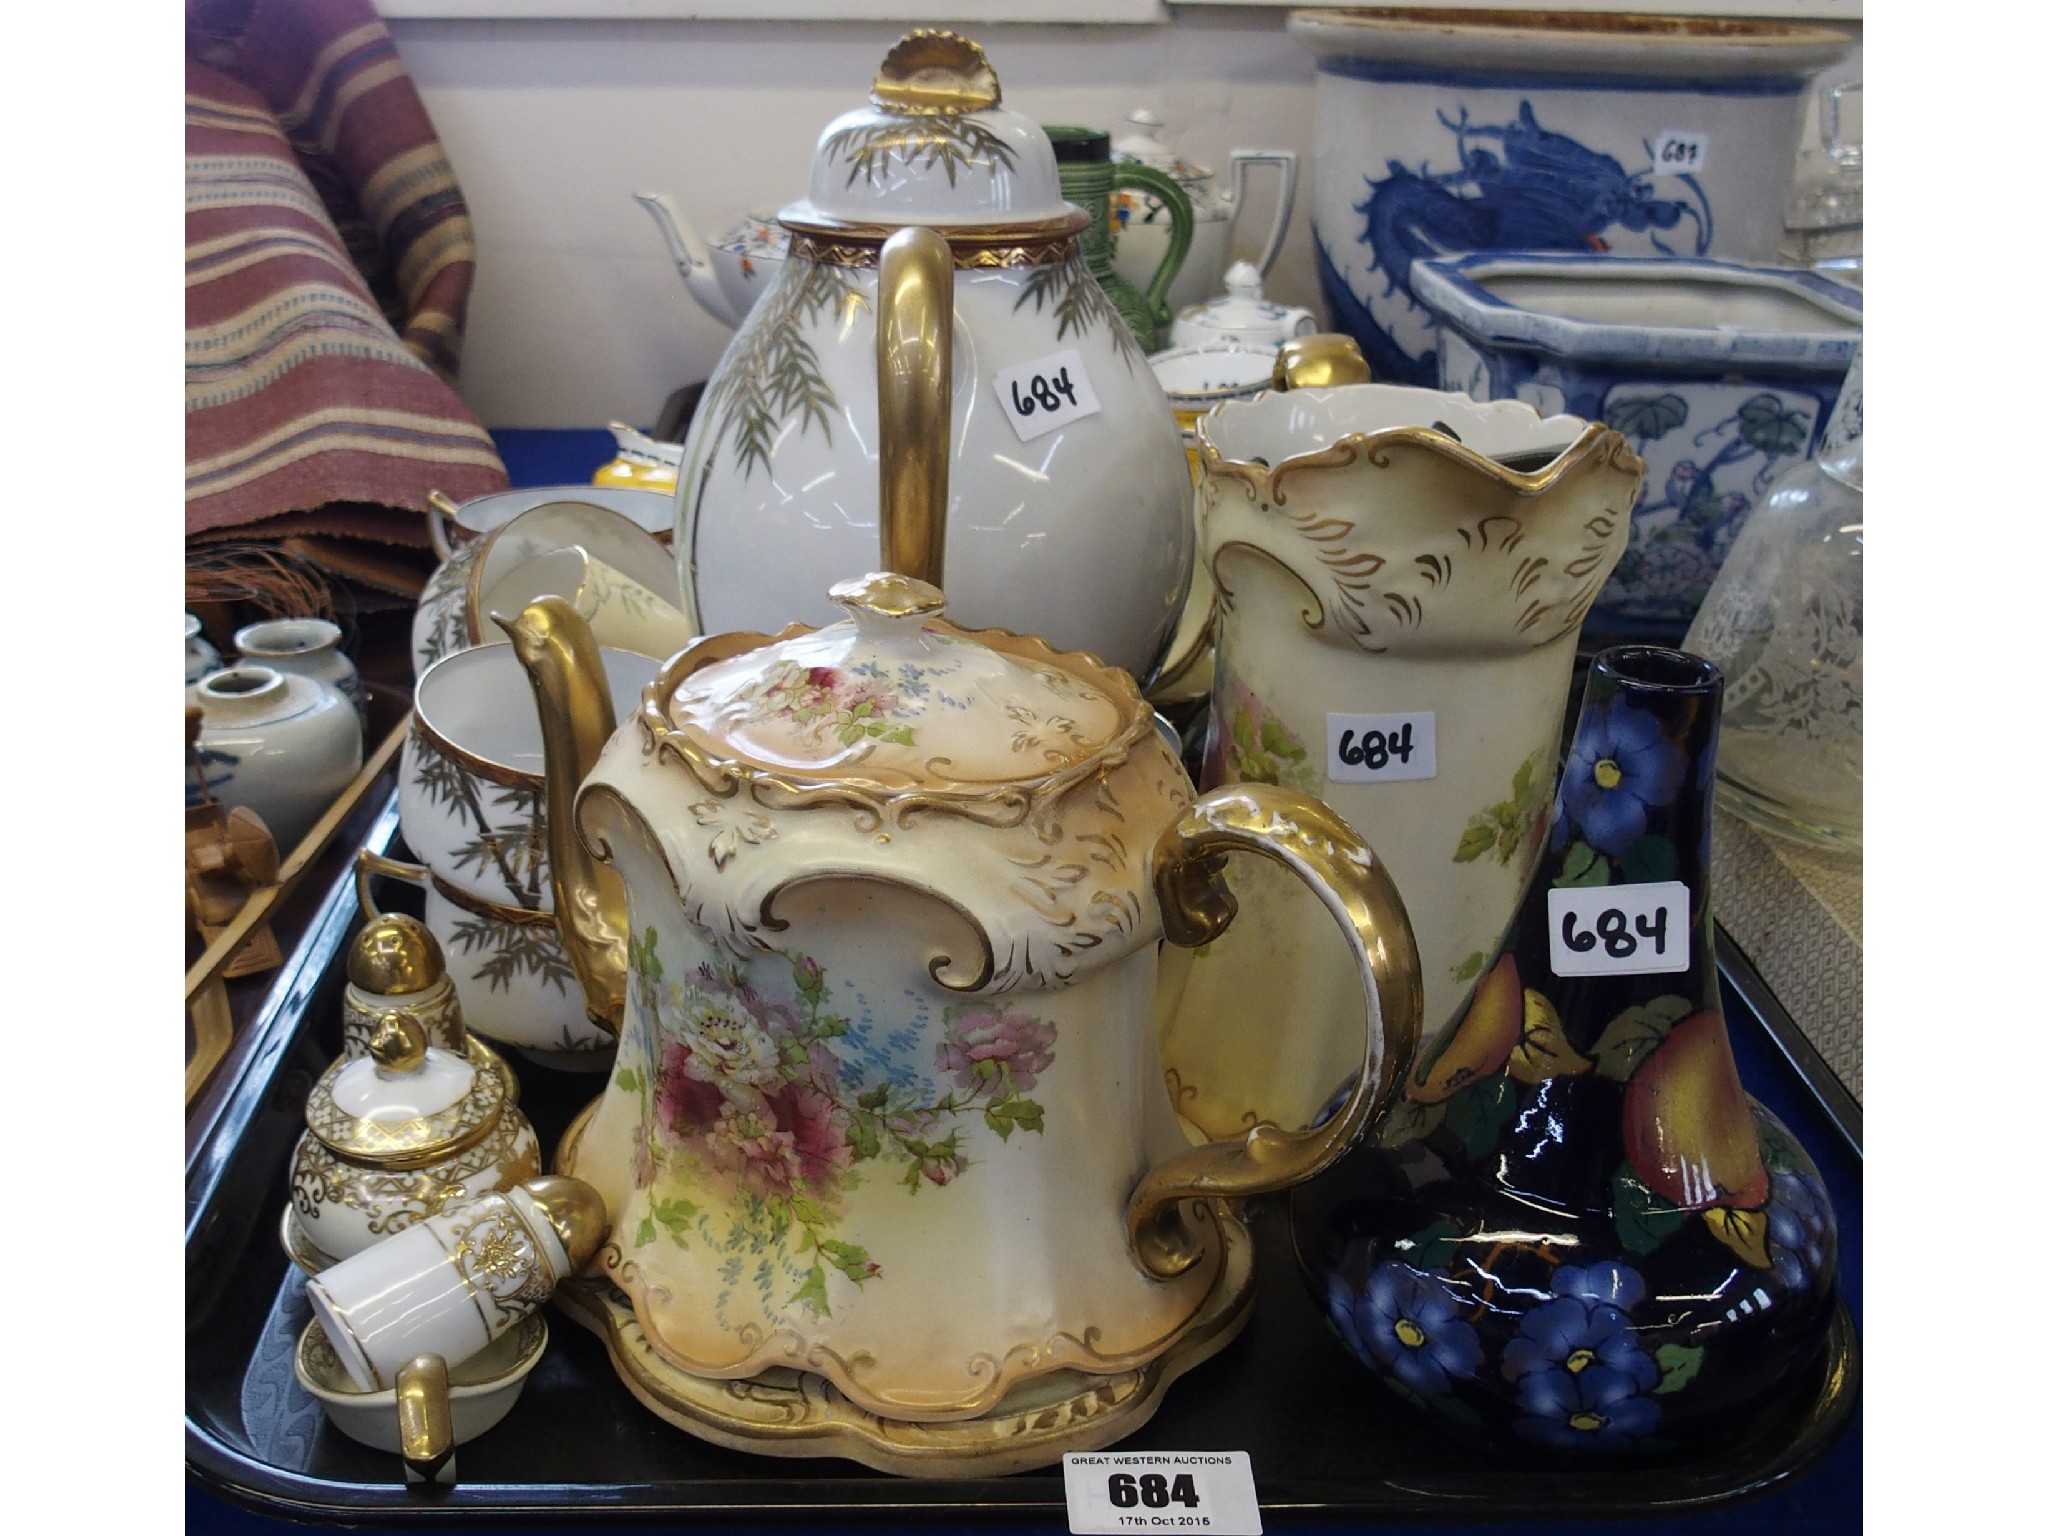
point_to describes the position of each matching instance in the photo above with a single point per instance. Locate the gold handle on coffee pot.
(914, 391)
(1313, 841)
(554, 644)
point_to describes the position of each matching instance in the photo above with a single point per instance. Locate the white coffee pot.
(1069, 511)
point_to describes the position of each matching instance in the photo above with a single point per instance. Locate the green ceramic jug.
(1087, 177)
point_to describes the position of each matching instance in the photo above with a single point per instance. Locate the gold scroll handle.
(1322, 361)
(426, 1422)
(1307, 837)
(914, 393)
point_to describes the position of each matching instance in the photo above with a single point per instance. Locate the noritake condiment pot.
(1069, 508)
(878, 908)
(395, 1136)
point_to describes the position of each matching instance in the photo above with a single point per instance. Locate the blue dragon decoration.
(1518, 186)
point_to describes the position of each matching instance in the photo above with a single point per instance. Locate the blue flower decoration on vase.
(1595, 1409)
(1406, 1325)
(1579, 1372)
(1622, 766)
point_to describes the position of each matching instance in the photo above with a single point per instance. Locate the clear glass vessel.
(1784, 622)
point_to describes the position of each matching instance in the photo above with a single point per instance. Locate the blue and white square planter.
(1441, 133)
(1720, 375)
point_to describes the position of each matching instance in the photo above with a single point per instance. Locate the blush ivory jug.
(876, 909)
(1401, 576)
(1070, 508)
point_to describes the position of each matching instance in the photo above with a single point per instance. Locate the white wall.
(578, 316)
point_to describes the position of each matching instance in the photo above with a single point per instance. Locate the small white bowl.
(1197, 378)
(481, 1389)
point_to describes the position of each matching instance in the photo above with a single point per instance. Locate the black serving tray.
(1326, 1442)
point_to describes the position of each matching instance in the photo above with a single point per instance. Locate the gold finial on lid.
(935, 73)
(575, 1211)
(1321, 361)
(885, 592)
(393, 954)
(398, 1044)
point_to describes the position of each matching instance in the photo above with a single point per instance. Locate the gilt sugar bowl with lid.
(396, 1135)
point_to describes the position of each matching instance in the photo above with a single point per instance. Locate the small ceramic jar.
(280, 744)
(1242, 316)
(308, 647)
(394, 1137)
(396, 965)
(200, 656)
(643, 463)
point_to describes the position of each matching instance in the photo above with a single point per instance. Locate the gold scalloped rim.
(1006, 804)
(1595, 446)
(405, 1145)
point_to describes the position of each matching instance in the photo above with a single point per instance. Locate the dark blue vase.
(1576, 1235)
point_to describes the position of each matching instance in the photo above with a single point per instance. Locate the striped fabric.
(328, 259)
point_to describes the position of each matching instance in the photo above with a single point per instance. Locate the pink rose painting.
(987, 1047)
(748, 1097)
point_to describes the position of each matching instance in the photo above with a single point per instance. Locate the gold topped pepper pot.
(395, 965)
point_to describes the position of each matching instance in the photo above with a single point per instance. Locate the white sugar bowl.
(395, 1137)
(1242, 316)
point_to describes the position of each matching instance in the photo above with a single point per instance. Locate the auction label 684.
(1206, 1491)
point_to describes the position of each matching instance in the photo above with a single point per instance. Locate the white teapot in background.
(1143, 226)
(1069, 513)
(728, 273)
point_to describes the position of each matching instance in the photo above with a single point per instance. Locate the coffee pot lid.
(934, 146)
(897, 696)
(404, 1104)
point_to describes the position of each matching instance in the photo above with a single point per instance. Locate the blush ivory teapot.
(876, 910)
(1072, 513)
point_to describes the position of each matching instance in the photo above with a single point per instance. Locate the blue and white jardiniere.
(1438, 133)
(1720, 375)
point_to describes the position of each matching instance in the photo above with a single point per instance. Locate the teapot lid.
(935, 146)
(895, 696)
(406, 1103)
(1147, 148)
